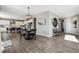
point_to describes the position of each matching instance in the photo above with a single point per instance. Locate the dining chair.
(33, 33)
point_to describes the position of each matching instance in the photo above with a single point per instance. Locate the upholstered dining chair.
(56, 32)
(33, 33)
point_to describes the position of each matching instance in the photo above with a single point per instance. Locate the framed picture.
(42, 22)
(75, 23)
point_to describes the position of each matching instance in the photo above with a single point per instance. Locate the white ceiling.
(21, 10)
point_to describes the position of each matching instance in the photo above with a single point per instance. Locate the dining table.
(25, 33)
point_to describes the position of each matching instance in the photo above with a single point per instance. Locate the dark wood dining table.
(28, 33)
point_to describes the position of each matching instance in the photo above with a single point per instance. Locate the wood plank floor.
(42, 45)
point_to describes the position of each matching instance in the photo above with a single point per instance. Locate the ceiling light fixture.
(28, 16)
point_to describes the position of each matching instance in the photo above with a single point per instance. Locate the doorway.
(62, 25)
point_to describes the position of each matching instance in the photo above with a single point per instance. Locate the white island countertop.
(1, 30)
(1, 48)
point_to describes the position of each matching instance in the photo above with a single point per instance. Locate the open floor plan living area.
(39, 28)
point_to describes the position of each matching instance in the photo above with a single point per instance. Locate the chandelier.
(28, 16)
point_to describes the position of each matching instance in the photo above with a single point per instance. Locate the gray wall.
(46, 30)
(42, 29)
(70, 26)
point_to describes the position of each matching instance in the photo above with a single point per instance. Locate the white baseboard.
(43, 35)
